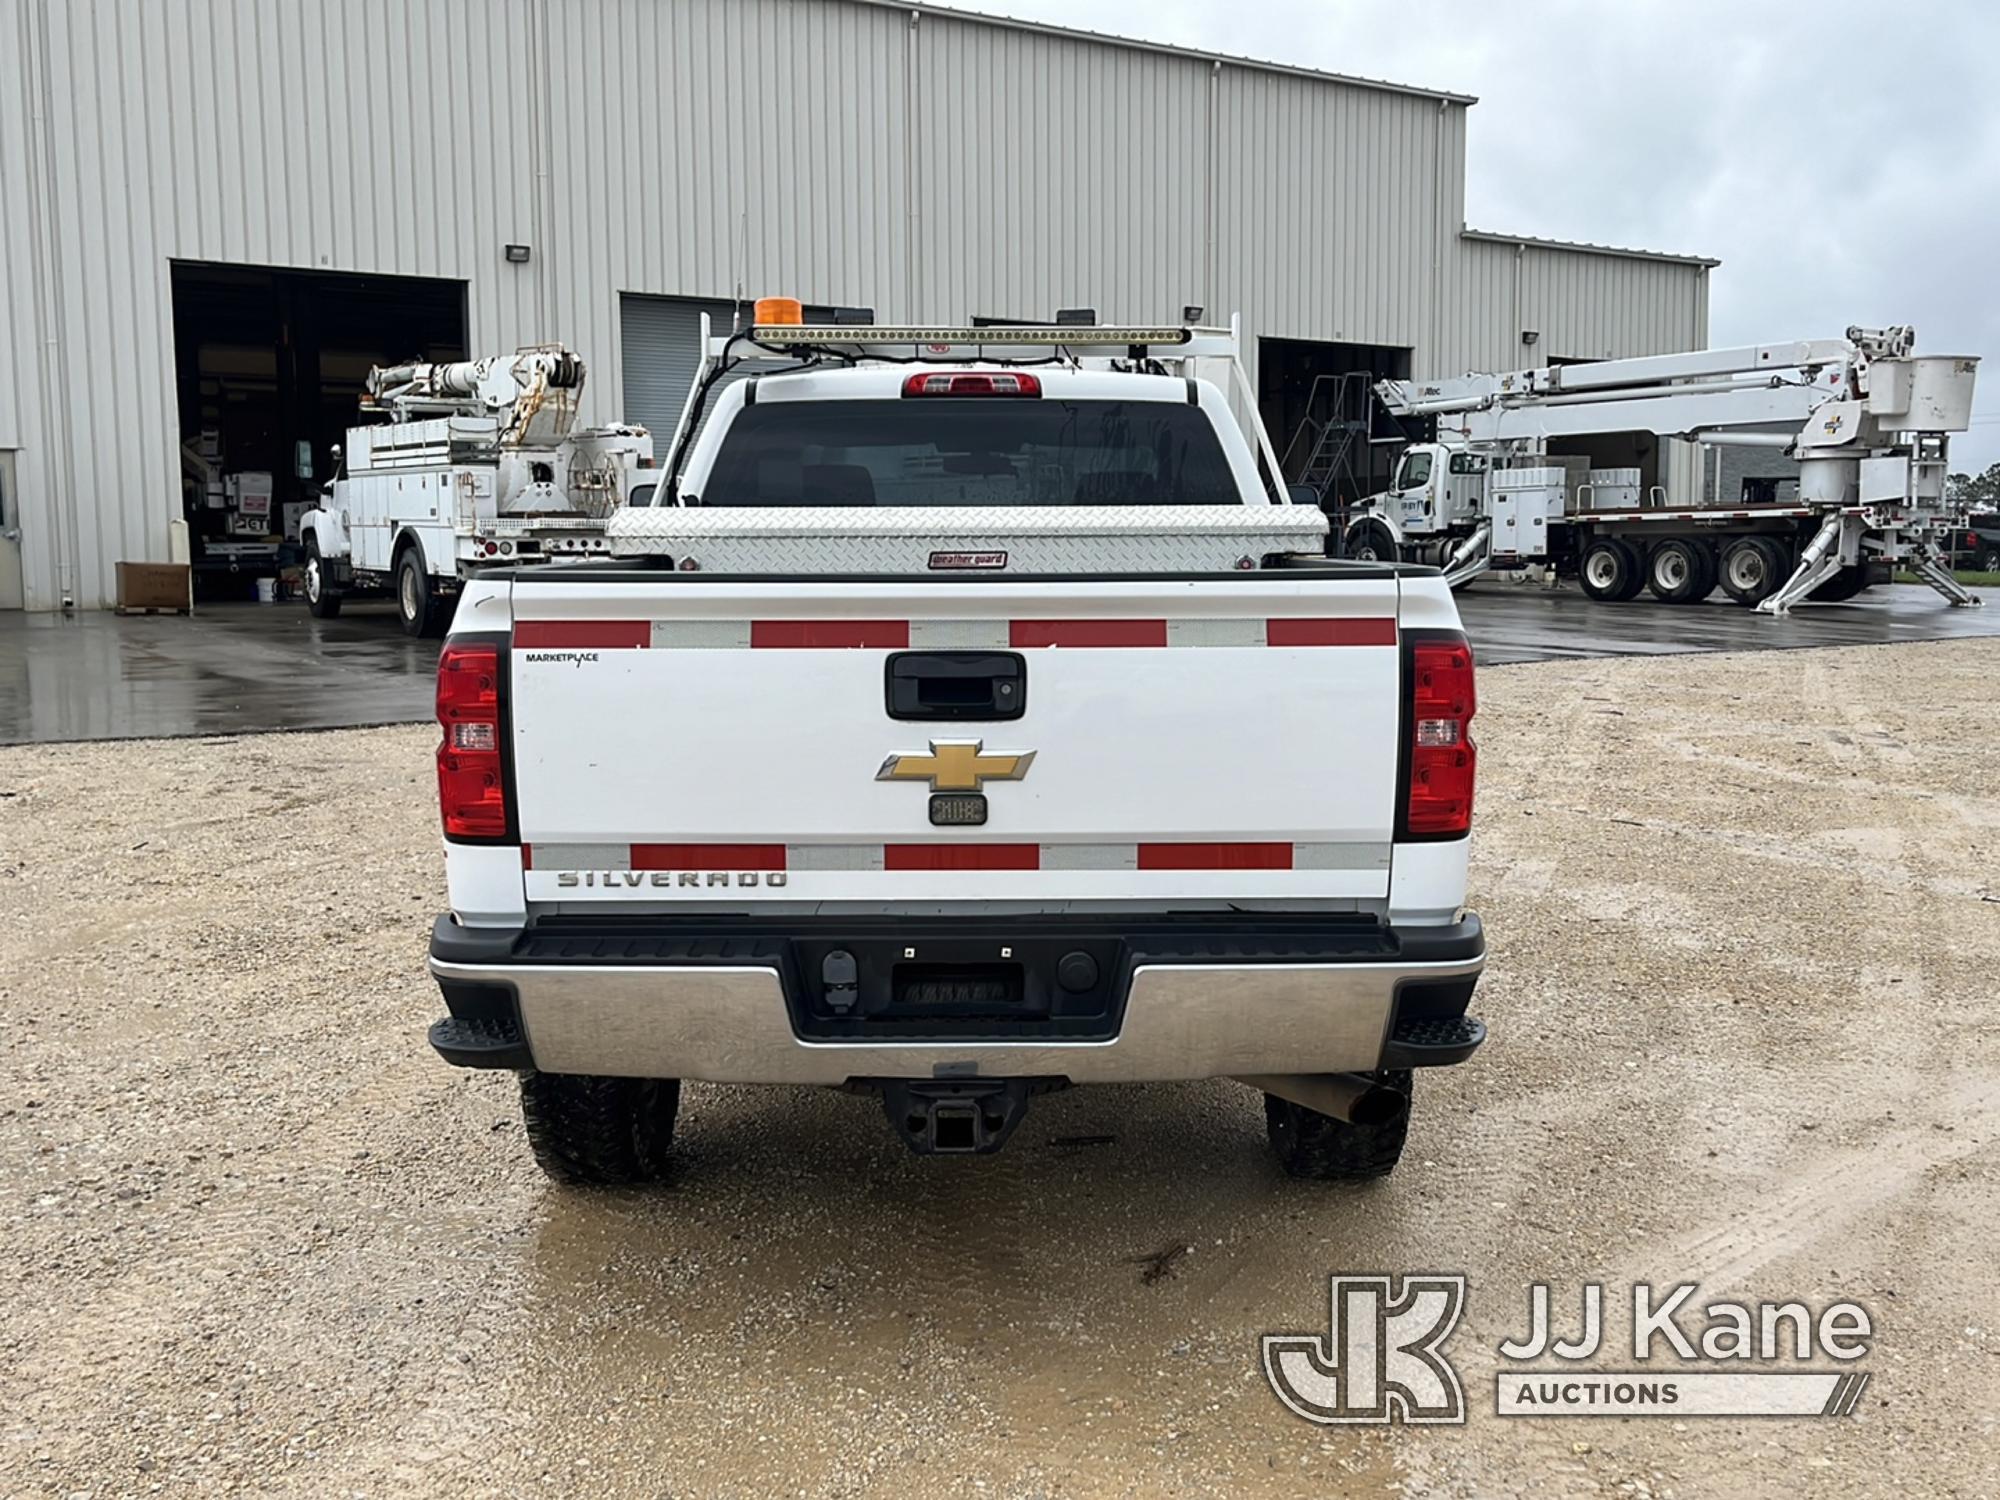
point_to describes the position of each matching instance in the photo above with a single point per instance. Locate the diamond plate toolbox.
(972, 541)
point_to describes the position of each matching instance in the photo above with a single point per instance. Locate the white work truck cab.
(1436, 494)
(972, 720)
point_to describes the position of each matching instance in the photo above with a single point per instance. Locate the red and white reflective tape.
(699, 859)
(595, 635)
(903, 635)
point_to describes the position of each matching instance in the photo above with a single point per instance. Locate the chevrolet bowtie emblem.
(956, 766)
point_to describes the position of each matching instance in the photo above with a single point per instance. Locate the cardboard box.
(252, 504)
(241, 524)
(153, 586)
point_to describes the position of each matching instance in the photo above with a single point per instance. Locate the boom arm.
(1711, 395)
(1864, 415)
(535, 392)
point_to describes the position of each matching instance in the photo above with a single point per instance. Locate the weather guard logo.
(1380, 1359)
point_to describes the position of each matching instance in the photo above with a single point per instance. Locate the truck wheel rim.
(312, 579)
(1746, 570)
(1671, 570)
(409, 594)
(1602, 570)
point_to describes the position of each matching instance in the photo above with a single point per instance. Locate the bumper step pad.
(1433, 1041)
(483, 1042)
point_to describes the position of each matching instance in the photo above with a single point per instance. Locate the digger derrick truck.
(1865, 417)
(480, 464)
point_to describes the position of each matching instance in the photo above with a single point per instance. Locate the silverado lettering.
(660, 879)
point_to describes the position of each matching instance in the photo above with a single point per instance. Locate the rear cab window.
(971, 451)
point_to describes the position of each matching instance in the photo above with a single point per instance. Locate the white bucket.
(267, 591)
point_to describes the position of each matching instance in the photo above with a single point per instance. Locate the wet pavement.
(237, 668)
(1515, 622)
(227, 669)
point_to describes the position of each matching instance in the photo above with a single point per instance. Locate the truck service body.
(958, 730)
(479, 465)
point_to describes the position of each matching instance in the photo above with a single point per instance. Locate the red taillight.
(472, 794)
(1005, 383)
(1442, 754)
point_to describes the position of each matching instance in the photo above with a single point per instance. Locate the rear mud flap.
(941, 1117)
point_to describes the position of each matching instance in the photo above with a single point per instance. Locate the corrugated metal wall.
(1333, 206)
(699, 147)
(1580, 306)
(17, 244)
(340, 136)
(934, 167)
(25, 419)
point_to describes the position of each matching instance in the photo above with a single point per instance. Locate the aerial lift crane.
(1866, 418)
(479, 464)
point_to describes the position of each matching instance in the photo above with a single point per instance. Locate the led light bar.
(1072, 336)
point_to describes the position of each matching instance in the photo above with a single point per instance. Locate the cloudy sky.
(1842, 160)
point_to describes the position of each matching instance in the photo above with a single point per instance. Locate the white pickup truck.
(961, 727)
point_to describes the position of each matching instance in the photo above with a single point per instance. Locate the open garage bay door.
(269, 364)
(1318, 403)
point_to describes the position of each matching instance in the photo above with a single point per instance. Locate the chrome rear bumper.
(730, 1023)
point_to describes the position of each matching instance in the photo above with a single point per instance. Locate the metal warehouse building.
(216, 214)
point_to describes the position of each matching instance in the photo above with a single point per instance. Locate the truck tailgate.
(682, 739)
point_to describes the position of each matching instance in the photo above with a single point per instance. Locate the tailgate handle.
(944, 685)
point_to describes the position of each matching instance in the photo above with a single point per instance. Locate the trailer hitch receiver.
(938, 1117)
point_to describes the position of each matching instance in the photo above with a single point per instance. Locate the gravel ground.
(1744, 913)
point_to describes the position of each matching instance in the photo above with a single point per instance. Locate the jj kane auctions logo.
(1382, 1358)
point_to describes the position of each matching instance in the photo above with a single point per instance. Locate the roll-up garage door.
(661, 339)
